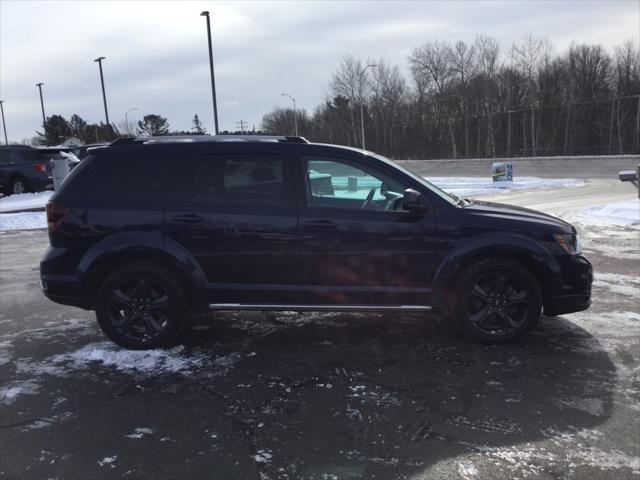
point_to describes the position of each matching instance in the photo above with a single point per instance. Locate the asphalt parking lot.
(321, 396)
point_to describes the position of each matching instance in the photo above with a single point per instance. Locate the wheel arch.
(113, 253)
(518, 248)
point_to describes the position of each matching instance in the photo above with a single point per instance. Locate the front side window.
(336, 183)
(240, 179)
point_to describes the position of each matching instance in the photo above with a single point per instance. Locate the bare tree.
(432, 67)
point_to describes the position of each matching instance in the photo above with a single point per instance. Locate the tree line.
(57, 129)
(476, 100)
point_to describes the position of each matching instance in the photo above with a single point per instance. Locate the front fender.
(498, 245)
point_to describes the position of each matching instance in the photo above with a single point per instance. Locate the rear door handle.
(321, 224)
(189, 218)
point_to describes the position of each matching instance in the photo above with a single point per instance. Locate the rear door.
(237, 216)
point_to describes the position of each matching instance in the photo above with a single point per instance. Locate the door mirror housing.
(414, 201)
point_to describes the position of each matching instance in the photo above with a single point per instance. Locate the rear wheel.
(497, 300)
(142, 306)
(18, 185)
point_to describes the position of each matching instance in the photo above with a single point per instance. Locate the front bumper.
(575, 294)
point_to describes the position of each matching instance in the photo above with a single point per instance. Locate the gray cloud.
(157, 52)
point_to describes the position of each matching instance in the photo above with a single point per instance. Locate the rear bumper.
(62, 289)
(575, 295)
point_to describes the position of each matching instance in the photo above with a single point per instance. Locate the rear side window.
(242, 179)
(123, 175)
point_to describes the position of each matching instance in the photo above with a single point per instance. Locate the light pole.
(213, 79)
(126, 117)
(104, 95)
(362, 104)
(295, 116)
(4, 125)
(44, 120)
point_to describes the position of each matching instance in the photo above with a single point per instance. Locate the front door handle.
(189, 218)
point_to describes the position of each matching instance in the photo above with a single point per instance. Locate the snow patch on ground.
(10, 392)
(23, 201)
(618, 213)
(467, 470)
(108, 461)
(140, 432)
(23, 221)
(142, 361)
(618, 284)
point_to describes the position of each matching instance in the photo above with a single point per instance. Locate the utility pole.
(213, 79)
(4, 125)
(104, 96)
(44, 120)
(241, 124)
(295, 115)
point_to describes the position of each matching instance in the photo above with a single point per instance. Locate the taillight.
(56, 213)
(40, 167)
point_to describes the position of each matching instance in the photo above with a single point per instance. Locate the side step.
(320, 308)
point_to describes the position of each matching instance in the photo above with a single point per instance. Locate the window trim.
(304, 194)
(185, 192)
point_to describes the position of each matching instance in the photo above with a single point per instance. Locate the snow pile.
(469, 186)
(24, 201)
(618, 213)
(23, 221)
(142, 361)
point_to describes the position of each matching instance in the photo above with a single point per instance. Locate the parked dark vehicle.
(26, 169)
(146, 231)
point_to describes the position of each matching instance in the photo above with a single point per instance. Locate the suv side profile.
(148, 230)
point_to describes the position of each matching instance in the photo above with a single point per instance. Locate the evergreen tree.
(197, 128)
(56, 131)
(153, 125)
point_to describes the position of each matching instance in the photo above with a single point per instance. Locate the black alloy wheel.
(141, 306)
(497, 300)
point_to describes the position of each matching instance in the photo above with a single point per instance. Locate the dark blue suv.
(148, 230)
(25, 169)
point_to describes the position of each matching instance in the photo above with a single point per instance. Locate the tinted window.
(124, 175)
(239, 179)
(341, 184)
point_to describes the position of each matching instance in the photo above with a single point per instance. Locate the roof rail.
(206, 138)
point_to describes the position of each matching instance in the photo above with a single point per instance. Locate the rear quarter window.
(123, 175)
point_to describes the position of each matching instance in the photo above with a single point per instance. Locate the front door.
(236, 215)
(358, 246)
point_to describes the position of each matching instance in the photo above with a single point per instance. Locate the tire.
(142, 306)
(18, 185)
(496, 301)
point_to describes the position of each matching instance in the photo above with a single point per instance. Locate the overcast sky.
(157, 58)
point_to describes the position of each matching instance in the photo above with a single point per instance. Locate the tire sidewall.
(13, 183)
(468, 279)
(179, 305)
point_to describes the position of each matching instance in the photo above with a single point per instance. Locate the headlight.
(572, 244)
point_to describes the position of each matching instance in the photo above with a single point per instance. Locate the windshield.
(448, 197)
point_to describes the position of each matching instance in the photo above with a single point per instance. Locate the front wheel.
(142, 306)
(497, 300)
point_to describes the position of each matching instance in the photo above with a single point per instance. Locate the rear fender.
(145, 246)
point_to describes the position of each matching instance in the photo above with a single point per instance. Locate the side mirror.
(414, 201)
